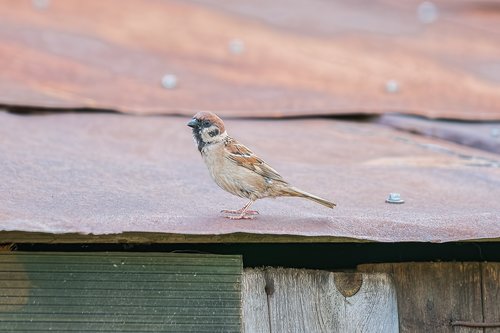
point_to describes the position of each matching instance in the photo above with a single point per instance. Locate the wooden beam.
(433, 295)
(491, 295)
(297, 300)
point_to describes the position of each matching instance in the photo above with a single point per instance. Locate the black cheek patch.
(197, 137)
(213, 133)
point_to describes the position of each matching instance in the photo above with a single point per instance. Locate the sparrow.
(236, 169)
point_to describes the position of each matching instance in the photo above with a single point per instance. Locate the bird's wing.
(244, 157)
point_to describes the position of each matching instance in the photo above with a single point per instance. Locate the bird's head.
(208, 128)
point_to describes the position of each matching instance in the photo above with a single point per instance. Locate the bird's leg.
(243, 212)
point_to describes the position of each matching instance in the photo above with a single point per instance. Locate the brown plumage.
(236, 169)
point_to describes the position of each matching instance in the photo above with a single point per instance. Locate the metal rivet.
(394, 198)
(169, 81)
(392, 86)
(236, 46)
(41, 4)
(427, 12)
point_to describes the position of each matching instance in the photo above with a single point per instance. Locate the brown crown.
(212, 117)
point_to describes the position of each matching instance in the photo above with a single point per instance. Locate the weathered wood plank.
(372, 309)
(491, 294)
(432, 295)
(320, 301)
(254, 302)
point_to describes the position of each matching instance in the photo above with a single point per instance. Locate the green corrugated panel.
(119, 292)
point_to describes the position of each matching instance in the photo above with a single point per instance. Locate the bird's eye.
(206, 123)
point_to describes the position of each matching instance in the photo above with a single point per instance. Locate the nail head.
(236, 46)
(392, 86)
(169, 81)
(41, 4)
(427, 12)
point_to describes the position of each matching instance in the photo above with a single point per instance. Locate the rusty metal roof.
(271, 58)
(89, 177)
(482, 135)
(93, 177)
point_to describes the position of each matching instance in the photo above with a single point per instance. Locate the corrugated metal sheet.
(482, 135)
(141, 178)
(116, 292)
(278, 58)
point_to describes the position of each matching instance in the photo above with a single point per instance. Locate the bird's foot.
(242, 216)
(239, 211)
(242, 213)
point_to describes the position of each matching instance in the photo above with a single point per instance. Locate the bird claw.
(239, 211)
(240, 217)
(241, 214)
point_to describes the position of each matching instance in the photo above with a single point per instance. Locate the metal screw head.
(41, 4)
(169, 81)
(392, 86)
(394, 198)
(236, 46)
(427, 12)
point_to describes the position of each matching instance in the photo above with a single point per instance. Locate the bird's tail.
(295, 192)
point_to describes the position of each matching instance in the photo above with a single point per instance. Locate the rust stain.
(103, 174)
(93, 54)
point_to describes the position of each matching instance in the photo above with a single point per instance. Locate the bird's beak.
(193, 123)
